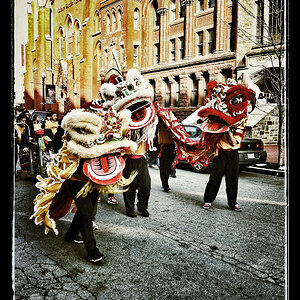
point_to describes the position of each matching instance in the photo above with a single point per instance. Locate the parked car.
(42, 114)
(251, 151)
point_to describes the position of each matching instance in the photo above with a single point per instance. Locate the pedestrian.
(21, 139)
(36, 123)
(26, 114)
(142, 182)
(52, 123)
(225, 163)
(166, 155)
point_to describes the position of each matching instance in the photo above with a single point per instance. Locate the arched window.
(119, 19)
(60, 38)
(98, 57)
(172, 10)
(69, 35)
(97, 21)
(108, 23)
(77, 36)
(136, 19)
(113, 22)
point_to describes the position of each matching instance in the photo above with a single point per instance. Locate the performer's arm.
(231, 139)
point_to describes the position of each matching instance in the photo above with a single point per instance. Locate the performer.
(89, 163)
(166, 154)
(225, 115)
(136, 95)
(142, 182)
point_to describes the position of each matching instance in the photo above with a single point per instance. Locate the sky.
(20, 37)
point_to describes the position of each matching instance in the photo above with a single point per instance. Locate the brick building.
(178, 45)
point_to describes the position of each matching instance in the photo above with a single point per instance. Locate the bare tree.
(270, 35)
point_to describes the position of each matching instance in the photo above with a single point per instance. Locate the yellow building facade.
(177, 45)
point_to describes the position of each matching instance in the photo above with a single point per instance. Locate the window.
(172, 50)
(194, 92)
(122, 57)
(167, 93)
(113, 22)
(156, 54)
(69, 36)
(211, 3)
(276, 25)
(108, 23)
(177, 92)
(98, 54)
(136, 19)
(200, 43)
(97, 22)
(260, 22)
(211, 41)
(60, 42)
(136, 56)
(119, 19)
(199, 5)
(172, 11)
(77, 37)
(181, 48)
(156, 15)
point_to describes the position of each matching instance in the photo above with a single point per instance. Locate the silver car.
(251, 151)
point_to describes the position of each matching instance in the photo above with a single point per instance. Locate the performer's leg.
(129, 196)
(144, 184)
(232, 177)
(215, 178)
(82, 221)
(166, 160)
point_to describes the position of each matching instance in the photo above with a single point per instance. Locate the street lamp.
(43, 76)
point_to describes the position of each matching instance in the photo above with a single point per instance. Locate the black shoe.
(173, 175)
(95, 256)
(76, 240)
(131, 214)
(167, 189)
(144, 212)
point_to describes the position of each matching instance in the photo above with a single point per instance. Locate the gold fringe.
(115, 188)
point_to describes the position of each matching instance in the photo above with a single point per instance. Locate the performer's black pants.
(227, 162)
(142, 182)
(82, 221)
(167, 156)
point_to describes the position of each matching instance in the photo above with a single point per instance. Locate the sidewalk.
(270, 167)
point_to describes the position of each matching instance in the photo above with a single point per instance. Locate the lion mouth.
(104, 170)
(142, 113)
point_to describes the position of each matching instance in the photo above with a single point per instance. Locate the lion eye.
(82, 131)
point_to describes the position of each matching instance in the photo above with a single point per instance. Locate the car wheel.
(198, 168)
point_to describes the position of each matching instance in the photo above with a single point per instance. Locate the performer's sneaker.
(95, 226)
(167, 189)
(76, 240)
(131, 214)
(206, 205)
(112, 200)
(95, 257)
(236, 207)
(144, 212)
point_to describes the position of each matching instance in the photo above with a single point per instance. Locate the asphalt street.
(180, 252)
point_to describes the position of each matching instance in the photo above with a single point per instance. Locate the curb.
(261, 170)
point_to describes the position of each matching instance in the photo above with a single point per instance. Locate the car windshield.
(193, 131)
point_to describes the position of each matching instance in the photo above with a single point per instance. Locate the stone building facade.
(178, 45)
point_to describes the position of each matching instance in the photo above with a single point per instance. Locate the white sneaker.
(95, 226)
(206, 205)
